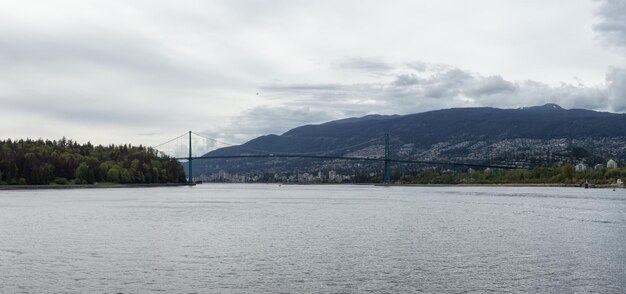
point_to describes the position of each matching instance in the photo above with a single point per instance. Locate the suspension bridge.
(387, 159)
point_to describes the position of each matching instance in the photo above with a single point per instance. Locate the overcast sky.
(142, 72)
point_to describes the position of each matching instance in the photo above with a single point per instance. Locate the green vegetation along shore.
(64, 162)
(91, 186)
(561, 175)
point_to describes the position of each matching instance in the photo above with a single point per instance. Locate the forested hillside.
(546, 135)
(39, 162)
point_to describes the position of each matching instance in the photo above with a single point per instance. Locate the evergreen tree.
(39, 162)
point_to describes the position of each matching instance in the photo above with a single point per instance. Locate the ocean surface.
(230, 238)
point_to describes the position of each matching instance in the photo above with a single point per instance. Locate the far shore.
(92, 186)
(604, 186)
(547, 185)
(117, 186)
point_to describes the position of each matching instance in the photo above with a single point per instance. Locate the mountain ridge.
(455, 134)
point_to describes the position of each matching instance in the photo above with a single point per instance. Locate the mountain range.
(544, 135)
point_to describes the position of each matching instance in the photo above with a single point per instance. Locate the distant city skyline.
(141, 72)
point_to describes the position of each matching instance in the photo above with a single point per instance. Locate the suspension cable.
(154, 147)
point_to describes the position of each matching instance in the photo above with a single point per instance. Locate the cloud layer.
(142, 72)
(419, 86)
(612, 24)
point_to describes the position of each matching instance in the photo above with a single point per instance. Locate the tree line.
(565, 174)
(39, 162)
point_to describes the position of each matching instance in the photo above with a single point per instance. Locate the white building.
(581, 167)
(331, 175)
(223, 175)
(611, 164)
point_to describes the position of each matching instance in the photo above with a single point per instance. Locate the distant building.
(581, 167)
(305, 177)
(611, 164)
(470, 171)
(223, 175)
(487, 171)
(599, 166)
(331, 175)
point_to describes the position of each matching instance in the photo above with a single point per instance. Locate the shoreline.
(119, 186)
(92, 186)
(595, 186)
(603, 186)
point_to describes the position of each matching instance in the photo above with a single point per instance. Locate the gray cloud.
(263, 120)
(418, 66)
(448, 83)
(411, 90)
(404, 80)
(366, 64)
(612, 24)
(488, 86)
(303, 87)
(616, 78)
(86, 48)
(96, 77)
(107, 71)
(268, 119)
(254, 122)
(251, 123)
(437, 86)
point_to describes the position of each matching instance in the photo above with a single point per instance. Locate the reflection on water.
(266, 238)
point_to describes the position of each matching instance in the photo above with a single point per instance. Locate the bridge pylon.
(387, 161)
(189, 162)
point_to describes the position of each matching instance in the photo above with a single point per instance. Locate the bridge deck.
(349, 158)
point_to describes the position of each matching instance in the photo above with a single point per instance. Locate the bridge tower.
(190, 159)
(387, 160)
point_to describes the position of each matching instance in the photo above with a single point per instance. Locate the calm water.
(266, 238)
